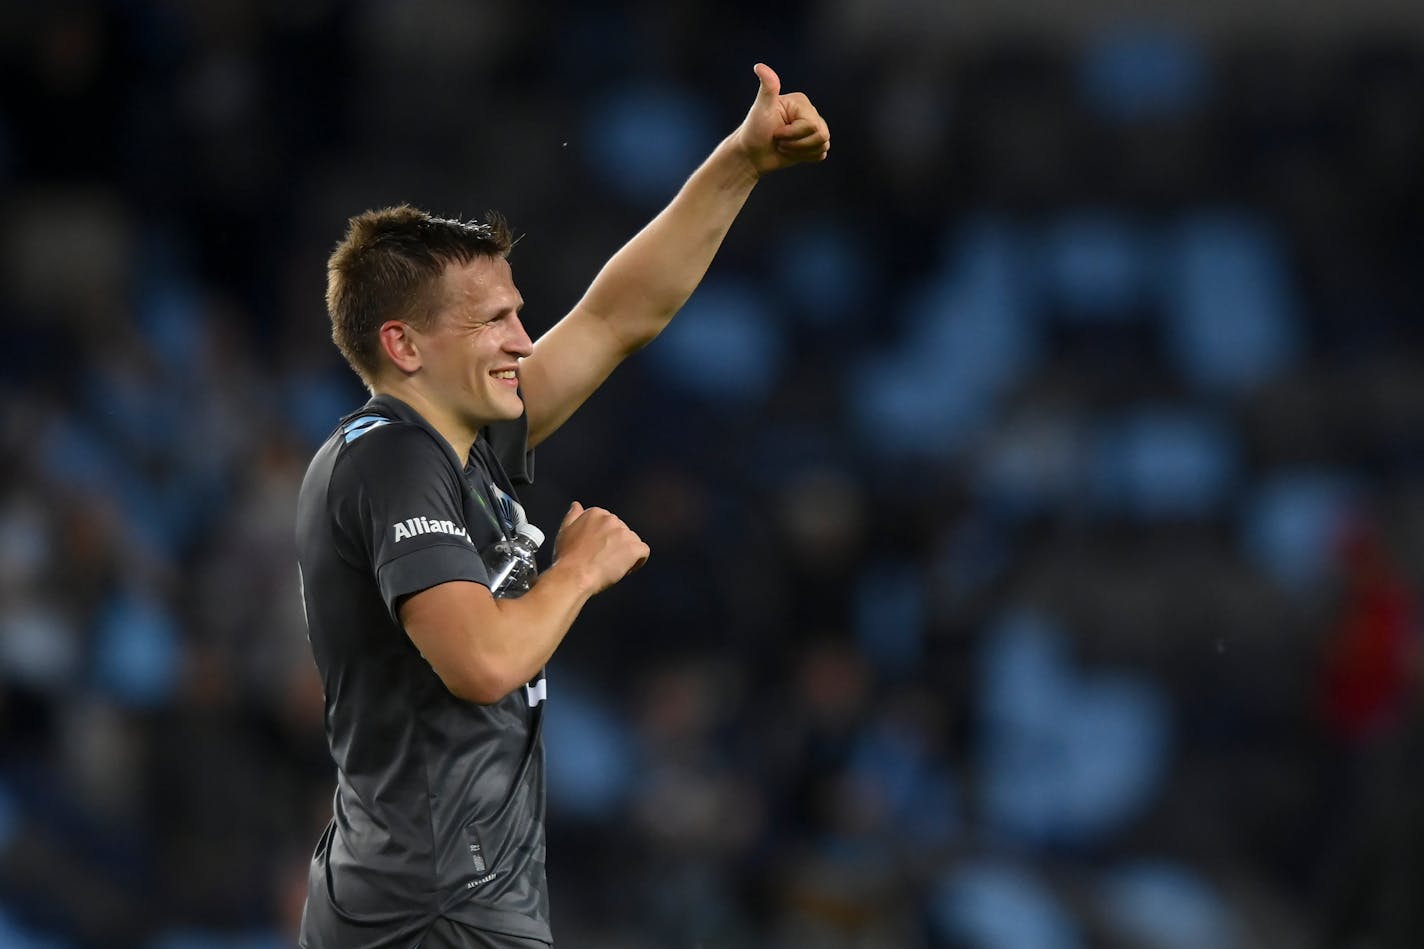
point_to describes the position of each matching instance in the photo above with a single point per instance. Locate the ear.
(400, 345)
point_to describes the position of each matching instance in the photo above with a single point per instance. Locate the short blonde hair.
(388, 266)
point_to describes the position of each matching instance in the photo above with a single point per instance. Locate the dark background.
(1034, 487)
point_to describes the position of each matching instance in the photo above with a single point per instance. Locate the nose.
(518, 342)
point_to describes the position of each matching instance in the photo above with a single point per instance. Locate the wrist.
(738, 160)
(581, 578)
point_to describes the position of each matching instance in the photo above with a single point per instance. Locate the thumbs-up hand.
(781, 130)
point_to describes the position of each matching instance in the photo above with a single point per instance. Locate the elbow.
(486, 695)
(632, 331)
(633, 345)
(630, 340)
(480, 685)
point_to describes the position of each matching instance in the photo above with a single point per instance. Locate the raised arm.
(642, 286)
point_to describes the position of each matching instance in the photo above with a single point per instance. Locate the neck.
(459, 433)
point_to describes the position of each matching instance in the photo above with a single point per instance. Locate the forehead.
(484, 285)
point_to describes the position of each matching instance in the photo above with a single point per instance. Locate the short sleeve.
(400, 500)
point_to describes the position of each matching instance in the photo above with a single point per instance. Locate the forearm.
(511, 651)
(643, 285)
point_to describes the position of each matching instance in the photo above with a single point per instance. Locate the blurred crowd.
(1034, 488)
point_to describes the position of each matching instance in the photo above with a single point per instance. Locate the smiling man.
(434, 685)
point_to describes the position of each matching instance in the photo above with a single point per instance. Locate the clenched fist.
(598, 544)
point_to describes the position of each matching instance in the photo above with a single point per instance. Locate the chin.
(516, 407)
(506, 410)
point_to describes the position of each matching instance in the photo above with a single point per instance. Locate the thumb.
(770, 83)
(575, 509)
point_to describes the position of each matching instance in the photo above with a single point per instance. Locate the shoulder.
(375, 451)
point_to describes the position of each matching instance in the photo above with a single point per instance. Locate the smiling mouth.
(507, 375)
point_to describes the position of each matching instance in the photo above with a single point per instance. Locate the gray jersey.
(439, 808)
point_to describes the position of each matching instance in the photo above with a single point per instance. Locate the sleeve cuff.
(427, 567)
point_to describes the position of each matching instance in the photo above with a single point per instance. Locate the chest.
(492, 511)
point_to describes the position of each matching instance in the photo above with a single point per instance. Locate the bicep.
(568, 363)
(439, 621)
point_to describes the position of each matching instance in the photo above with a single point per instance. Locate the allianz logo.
(415, 526)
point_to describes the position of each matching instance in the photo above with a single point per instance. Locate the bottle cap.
(535, 535)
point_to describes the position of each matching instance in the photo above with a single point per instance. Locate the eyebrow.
(479, 318)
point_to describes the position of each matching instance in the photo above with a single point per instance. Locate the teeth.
(505, 374)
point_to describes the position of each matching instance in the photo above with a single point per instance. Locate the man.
(434, 686)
